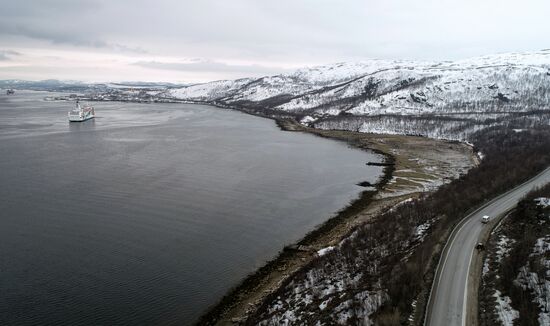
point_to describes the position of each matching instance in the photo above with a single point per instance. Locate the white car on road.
(485, 219)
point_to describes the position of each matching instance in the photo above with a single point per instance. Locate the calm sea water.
(149, 213)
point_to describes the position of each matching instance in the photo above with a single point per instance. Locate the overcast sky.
(202, 40)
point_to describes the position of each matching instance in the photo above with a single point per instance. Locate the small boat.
(79, 113)
(10, 92)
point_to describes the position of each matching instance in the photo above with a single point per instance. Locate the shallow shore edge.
(215, 313)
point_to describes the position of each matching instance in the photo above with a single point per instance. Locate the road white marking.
(464, 303)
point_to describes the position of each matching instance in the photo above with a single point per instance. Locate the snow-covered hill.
(397, 96)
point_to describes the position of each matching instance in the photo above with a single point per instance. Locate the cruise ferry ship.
(79, 113)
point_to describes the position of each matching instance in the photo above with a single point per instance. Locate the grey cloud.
(56, 37)
(66, 37)
(283, 32)
(60, 22)
(198, 65)
(8, 54)
(124, 48)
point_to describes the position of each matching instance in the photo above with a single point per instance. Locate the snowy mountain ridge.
(358, 95)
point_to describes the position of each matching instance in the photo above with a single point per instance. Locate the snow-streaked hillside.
(473, 93)
(209, 91)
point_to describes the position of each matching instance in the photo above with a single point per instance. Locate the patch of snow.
(540, 287)
(506, 314)
(324, 304)
(480, 155)
(307, 119)
(403, 202)
(543, 201)
(504, 245)
(288, 318)
(324, 251)
(538, 284)
(413, 305)
(421, 230)
(542, 246)
(485, 267)
(369, 301)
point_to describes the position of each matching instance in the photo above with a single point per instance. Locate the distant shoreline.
(246, 296)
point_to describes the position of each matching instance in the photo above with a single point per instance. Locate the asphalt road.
(447, 305)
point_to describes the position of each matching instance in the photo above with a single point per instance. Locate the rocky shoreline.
(291, 258)
(246, 297)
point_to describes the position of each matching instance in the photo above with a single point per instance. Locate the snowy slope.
(481, 90)
(209, 91)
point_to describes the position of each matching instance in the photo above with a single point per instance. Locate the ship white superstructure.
(79, 113)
